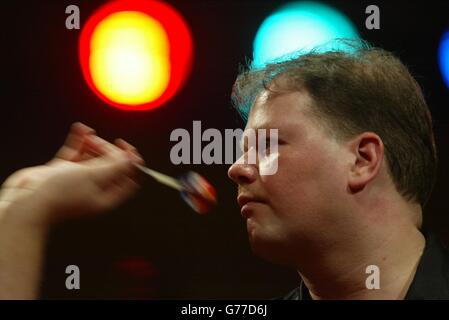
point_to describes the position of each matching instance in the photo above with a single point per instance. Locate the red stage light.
(136, 54)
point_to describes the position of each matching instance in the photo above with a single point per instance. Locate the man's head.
(355, 133)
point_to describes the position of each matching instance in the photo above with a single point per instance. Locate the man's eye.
(269, 143)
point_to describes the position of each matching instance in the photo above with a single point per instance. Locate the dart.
(195, 190)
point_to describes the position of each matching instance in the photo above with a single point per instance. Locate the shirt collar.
(431, 280)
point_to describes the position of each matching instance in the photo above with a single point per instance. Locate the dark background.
(155, 246)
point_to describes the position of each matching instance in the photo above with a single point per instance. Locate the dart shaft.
(162, 178)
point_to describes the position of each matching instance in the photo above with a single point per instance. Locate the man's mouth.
(243, 199)
(246, 202)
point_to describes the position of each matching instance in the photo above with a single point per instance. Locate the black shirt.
(431, 279)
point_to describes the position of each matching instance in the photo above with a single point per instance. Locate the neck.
(341, 271)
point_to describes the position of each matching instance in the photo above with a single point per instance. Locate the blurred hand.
(88, 175)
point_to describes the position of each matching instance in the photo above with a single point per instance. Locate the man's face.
(298, 204)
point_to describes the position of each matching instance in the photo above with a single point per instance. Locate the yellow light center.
(129, 60)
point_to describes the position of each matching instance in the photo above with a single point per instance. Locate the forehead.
(284, 111)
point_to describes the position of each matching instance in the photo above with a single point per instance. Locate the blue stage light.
(443, 57)
(299, 26)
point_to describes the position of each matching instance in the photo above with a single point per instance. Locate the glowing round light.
(300, 26)
(129, 58)
(135, 54)
(443, 57)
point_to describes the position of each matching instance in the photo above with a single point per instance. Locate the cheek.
(305, 180)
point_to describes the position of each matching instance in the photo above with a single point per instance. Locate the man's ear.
(368, 153)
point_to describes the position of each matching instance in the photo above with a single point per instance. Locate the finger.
(100, 147)
(82, 129)
(122, 144)
(131, 149)
(137, 158)
(90, 149)
(111, 162)
(73, 144)
(105, 169)
(88, 154)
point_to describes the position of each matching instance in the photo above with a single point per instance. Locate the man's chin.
(268, 248)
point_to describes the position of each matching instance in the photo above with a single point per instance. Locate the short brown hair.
(366, 89)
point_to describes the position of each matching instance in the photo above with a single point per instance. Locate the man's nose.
(242, 173)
